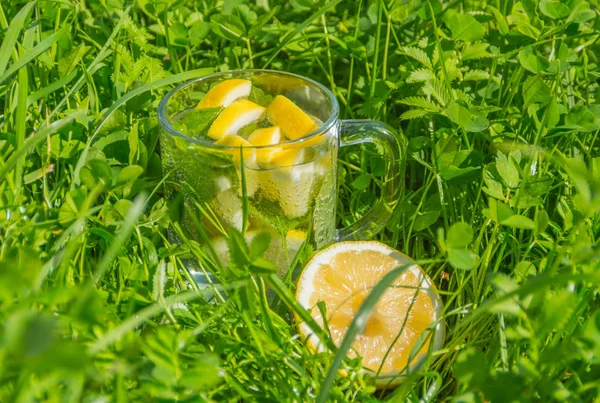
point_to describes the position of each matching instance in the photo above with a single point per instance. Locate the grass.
(499, 102)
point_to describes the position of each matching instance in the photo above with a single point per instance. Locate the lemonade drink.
(266, 144)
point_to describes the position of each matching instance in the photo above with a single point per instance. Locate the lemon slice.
(279, 252)
(265, 137)
(237, 115)
(294, 122)
(342, 276)
(224, 93)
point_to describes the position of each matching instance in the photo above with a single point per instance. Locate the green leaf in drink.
(195, 122)
(259, 97)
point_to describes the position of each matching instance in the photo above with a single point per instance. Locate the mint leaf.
(259, 97)
(195, 122)
(248, 129)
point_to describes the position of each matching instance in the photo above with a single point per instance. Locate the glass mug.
(295, 201)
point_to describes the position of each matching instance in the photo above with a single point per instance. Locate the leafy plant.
(499, 102)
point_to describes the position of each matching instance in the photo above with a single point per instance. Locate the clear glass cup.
(294, 203)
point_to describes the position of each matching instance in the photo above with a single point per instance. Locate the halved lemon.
(280, 252)
(237, 115)
(224, 93)
(343, 275)
(294, 122)
(265, 137)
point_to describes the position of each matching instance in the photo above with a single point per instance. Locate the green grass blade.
(288, 298)
(101, 56)
(244, 192)
(125, 231)
(188, 75)
(34, 140)
(299, 28)
(19, 21)
(139, 318)
(531, 287)
(534, 82)
(50, 88)
(37, 50)
(21, 124)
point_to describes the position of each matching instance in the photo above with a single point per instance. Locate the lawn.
(499, 101)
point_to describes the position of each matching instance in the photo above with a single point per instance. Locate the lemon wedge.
(237, 115)
(250, 161)
(224, 93)
(265, 137)
(294, 122)
(236, 142)
(287, 157)
(342, 276)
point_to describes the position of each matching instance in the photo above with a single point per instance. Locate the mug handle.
(392, 147)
